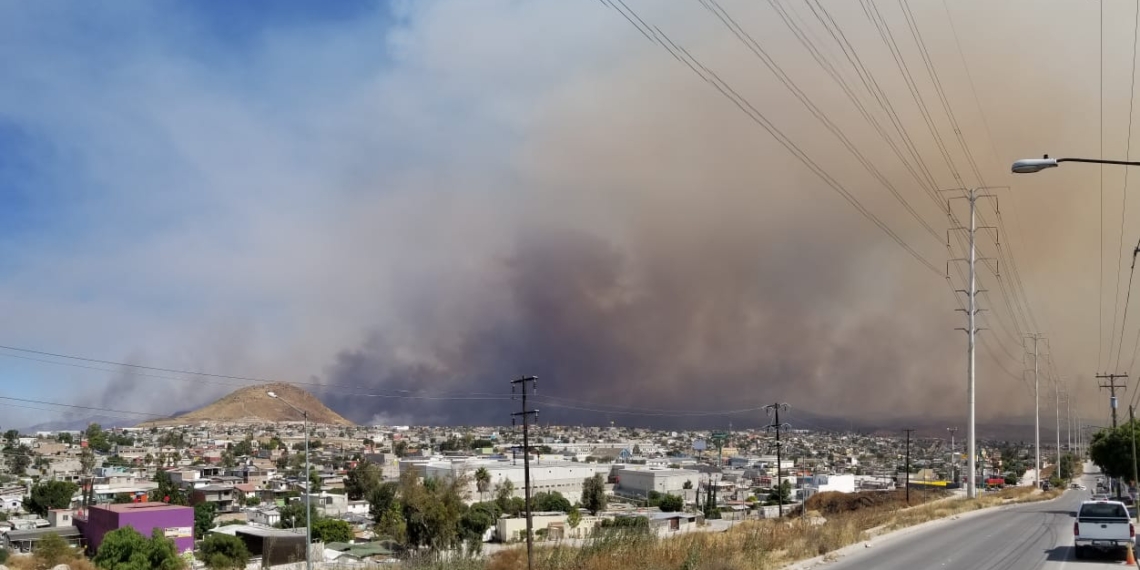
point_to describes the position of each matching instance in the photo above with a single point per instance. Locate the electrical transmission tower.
(773, 411)
(971, 291)
(1036, 338)
(526, 414)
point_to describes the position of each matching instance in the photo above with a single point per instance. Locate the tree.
(432, 511)
(52, 550)
(122, 498)
(1070, 467)
(204, 513)
(332, 530)
(47, 495)
(594, 494)
(574, 517)
(362, 480)
(400, 448)
(11, 436)
(19, 459)
(126, 549)
(293, 515)
(503, 493)
(244, 448)
(167, 491)
(473, 525)
(1111, 449)
(386, 511)
(671, 503)
(482, 481)
(550, 502)
(87, 464)
(65, 437)
(687, 485)
(97, 438)
(223, 552)
(781, 494)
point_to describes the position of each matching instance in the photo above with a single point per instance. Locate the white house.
(268, 516)
(328, 504)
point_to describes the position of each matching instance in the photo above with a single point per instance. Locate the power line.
(1124, 197)
(1127, 302)
(548, 400)
(1100, 308)
(712, 78)
(713, 7)
(78, 407)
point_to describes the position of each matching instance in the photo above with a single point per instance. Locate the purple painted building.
(174, 521)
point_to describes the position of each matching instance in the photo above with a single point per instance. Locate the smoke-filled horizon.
(429, 199)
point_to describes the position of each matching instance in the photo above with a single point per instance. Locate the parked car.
(1102, 525)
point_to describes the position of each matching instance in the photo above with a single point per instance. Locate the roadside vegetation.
(833, 521)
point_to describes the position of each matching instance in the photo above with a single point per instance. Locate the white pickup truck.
(1102, 525)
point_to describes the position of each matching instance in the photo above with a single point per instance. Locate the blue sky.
(236, 186)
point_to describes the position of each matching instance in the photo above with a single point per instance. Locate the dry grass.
(26, 562)
(834, 521)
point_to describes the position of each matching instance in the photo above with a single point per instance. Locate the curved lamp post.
(308, 485)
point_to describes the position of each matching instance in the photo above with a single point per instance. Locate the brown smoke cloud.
(670, 254)
(537, 189)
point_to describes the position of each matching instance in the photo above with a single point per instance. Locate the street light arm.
(1031, 165)
(1099, 161)
(287, 403)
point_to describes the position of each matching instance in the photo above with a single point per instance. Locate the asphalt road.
(1024, 537)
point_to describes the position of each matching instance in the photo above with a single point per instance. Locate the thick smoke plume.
(524, 188)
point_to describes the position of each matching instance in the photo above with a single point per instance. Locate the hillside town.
(246, 479)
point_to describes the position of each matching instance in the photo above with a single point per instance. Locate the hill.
(253, 404)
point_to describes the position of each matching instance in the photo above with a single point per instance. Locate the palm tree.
(482, 481)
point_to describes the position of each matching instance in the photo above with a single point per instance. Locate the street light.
(1031, 165)
(308, 486)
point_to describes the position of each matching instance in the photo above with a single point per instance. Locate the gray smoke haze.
(536, 189)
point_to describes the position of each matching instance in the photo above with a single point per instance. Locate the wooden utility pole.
(1112, 387)
(526, 414)
(908, 432)
(1135, 479)
(774, 410)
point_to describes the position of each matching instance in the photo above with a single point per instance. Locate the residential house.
(222, 496)
(267, 516)
(249, 474)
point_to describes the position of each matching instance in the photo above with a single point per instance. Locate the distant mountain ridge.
(253, 404)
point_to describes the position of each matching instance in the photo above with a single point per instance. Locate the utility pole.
(1132, 430)
(1112, 387)
(953, 455)
(1057, 411)
(1036, 338)
(908, 432)
(526, 414)
(971, 329)
(773, 410)
(1069, 423)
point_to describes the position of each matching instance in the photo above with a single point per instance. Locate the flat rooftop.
(140, 507)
